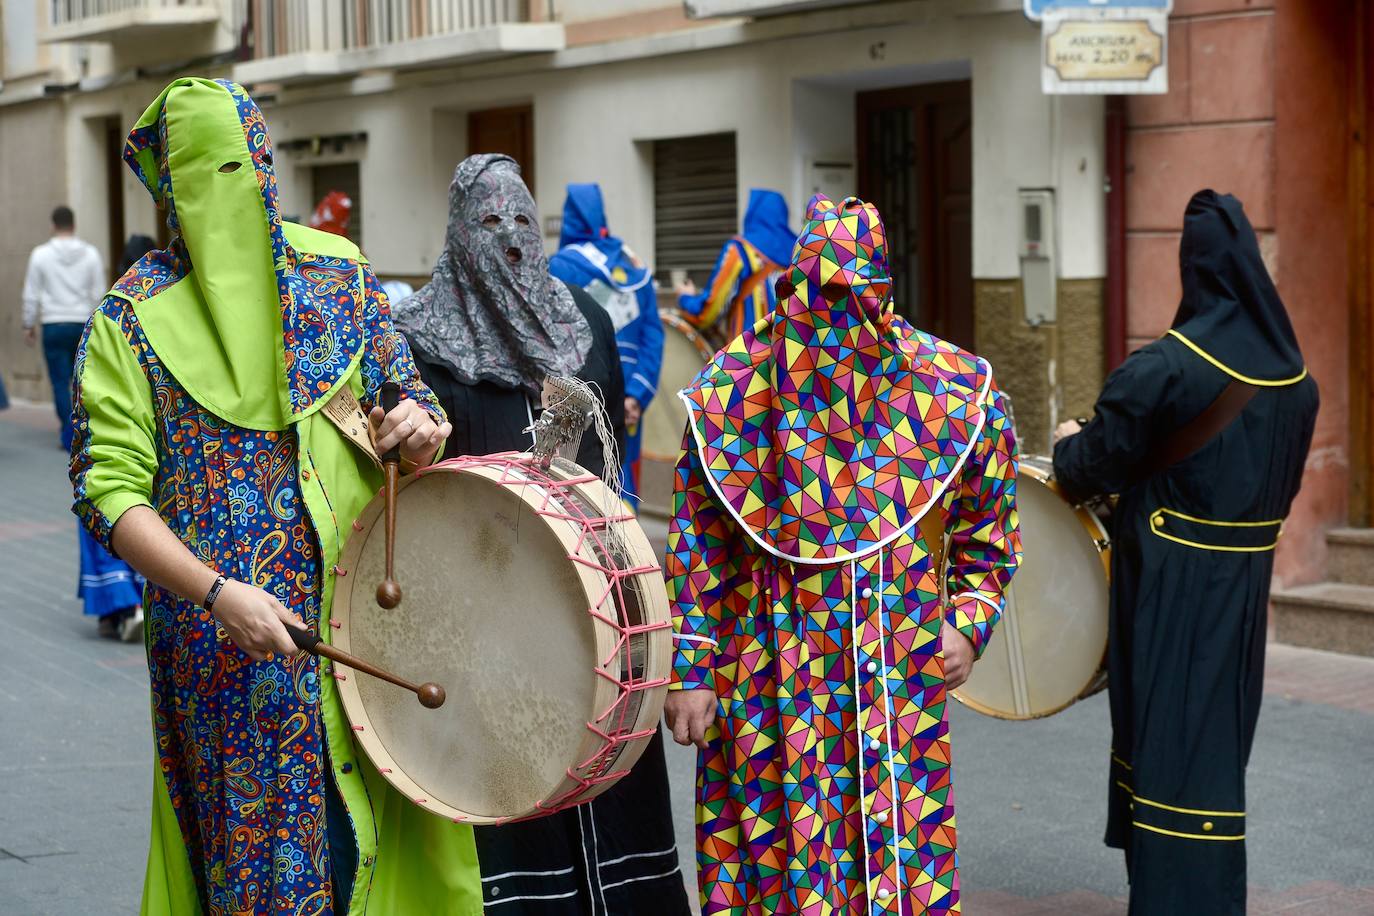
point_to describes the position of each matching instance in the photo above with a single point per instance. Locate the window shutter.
(695, 202)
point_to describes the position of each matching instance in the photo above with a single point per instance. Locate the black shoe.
(108, 627)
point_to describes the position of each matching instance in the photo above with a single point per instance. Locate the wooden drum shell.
(567, 660)
(1050, 648)
(685, 351)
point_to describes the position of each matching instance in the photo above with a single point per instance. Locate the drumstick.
(431, 695)
(388, 590)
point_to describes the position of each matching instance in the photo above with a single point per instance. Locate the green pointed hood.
(256, 331)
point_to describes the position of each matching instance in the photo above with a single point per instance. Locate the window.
(695, 203)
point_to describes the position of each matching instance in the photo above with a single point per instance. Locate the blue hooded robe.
(590, 257)
(740, 290)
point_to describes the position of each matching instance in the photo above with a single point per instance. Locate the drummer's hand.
(255, 620)
(1066, 429)
(412, 427)
(959, 654)
(689, 713)
(632, 412)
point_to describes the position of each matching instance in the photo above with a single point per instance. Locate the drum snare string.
(573, 395)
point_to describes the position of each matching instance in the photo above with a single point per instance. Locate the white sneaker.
(131, 629)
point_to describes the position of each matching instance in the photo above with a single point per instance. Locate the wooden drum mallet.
(389, 590)
(431, 695)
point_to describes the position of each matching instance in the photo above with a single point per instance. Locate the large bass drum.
(685, 351)
(1049, 649)
(538, 606)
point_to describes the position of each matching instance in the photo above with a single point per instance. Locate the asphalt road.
(76, 760)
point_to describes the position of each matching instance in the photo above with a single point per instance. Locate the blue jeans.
(60, 340)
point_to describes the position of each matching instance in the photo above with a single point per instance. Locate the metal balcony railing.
(69, 11)
(342, 25)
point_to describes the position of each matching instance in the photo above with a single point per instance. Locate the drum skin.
(685, 351)
(1049, 649)
(499, 607)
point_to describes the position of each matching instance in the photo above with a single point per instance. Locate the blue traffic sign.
(1035, 9)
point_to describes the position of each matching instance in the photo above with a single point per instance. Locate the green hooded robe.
(199, 387)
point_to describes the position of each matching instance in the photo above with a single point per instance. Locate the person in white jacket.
(64, 283)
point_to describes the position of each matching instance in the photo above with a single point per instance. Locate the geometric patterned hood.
(830, 427)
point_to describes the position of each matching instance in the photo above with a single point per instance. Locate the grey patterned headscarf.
(491, 311)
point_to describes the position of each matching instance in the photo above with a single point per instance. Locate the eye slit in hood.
(230, 167)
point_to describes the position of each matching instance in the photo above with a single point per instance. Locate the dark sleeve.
(1132, 414)
(603, 364)
(615, 392)
(453, 398)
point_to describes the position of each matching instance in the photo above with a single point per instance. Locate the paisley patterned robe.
(200, 389)
(241, 746)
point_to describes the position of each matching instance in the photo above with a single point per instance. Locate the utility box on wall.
(835, 178)
(1037, 255)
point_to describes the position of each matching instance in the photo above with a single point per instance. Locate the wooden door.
(1360, 190)
(114, 192)
(915, 151)
(505, 130)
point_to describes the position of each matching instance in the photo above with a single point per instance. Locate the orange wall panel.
(1209, 7)
(1153, 287)
(1167, 166)
(1172, 106)
(1231, 62)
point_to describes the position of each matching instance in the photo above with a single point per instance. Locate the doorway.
(345, 178)
(505, 130)
(114, 193)
(915, 158)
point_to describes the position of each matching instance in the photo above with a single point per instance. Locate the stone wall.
(1050, 372)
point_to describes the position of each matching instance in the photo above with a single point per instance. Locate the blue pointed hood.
(584, 225)
(584, 216)
(765, 226)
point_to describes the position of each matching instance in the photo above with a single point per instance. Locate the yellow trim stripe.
(1186, 836)
(1208, 521)
(1263, 383)
(1160, 513)
(1129, 790)
(1123, 763)
(1198, 811)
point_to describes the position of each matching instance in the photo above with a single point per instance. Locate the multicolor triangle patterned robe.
(804, 594)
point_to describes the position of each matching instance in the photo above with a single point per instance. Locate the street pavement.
(76, 756)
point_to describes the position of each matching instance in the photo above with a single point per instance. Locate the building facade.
(930, 108)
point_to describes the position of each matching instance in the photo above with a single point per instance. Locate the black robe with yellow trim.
(1191, 563)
